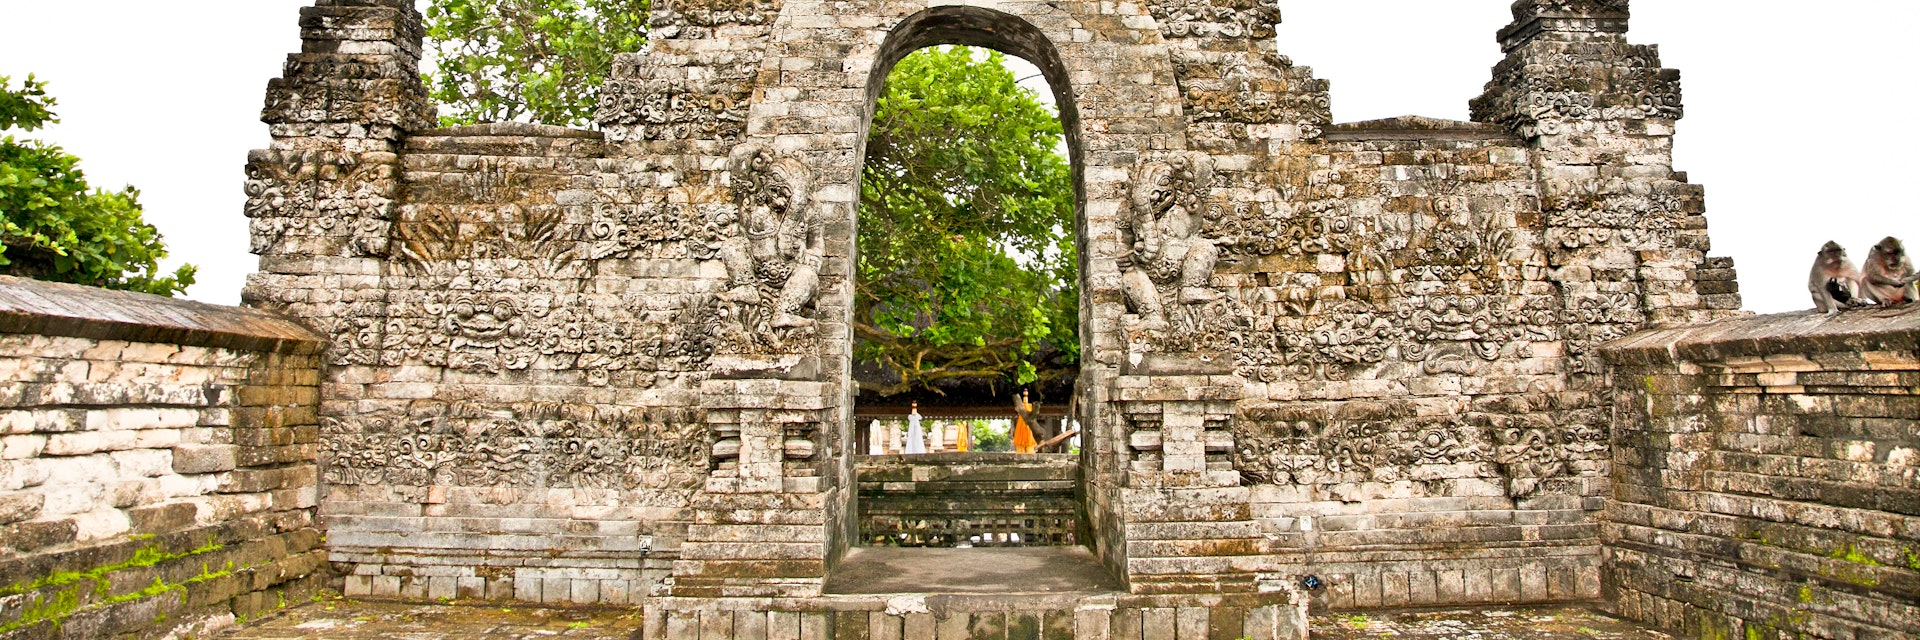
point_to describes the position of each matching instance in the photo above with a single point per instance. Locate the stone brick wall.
(1767, 477)
(1409, 352)
(156, 463)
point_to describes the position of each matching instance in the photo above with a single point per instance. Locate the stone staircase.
(972, 499)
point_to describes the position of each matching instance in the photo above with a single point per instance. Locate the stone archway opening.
(943, 484)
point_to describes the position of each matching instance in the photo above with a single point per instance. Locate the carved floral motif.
(1624, 82)
(1523, 11)
(658, 97)
(316, 194)
(1279, 448)
(1286, 445)
(525, 446)
(695, 19)
(1253, 19)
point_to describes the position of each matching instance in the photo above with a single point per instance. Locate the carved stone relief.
(1252, 19)
(1304, 445)
(696, 19)
(1173, 247)
(772, 248)
(1623, 82)
(307, 194)
(519, 446)
(1238, 88)
(1523, 11)
(488, 296)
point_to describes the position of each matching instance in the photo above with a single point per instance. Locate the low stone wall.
(942, 499)
(1767, 477)
(156, 463)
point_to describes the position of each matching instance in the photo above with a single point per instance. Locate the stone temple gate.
(1401, 363)
(613, 366)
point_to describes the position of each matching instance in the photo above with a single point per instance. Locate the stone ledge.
(1864, 330)
(512, 129)
(56, 309)
(1417, 128)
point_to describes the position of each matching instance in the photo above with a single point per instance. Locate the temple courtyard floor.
(345, 619)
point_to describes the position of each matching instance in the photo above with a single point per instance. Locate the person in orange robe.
(1023, 441)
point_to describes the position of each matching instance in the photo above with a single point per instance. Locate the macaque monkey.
(1889, 279)
(1834, 282)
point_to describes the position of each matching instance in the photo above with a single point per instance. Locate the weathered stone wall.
(1767, 477)
(156, 463)
(1425, 418)
(524, 398)
(599, 367)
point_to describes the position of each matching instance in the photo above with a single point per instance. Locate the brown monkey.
(1889, 278)
(1834, 282)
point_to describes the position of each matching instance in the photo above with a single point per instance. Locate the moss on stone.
(67, 603)
(1852, 554)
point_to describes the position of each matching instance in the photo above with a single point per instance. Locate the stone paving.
(1482, 624)
(343, 619)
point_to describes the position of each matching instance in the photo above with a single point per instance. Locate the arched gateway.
(613, 366)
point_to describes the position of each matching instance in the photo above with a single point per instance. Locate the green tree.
(988, 437)
(968, 266)
(535, 60)
(53, 226)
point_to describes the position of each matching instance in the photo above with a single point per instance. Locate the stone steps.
(944, 499)
(1098, 616)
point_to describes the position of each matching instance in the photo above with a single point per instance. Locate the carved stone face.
(759, 187)
(484, 322)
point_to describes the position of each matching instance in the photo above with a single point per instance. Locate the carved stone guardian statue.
(1163, 229)
(778, 250)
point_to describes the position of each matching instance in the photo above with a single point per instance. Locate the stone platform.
(356, 620)
(1550, 623)
(1001, 593)
(877, 570)
(344, 619)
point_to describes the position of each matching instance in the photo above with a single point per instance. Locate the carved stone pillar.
(321, 198)
(763, 433)
(760, 529)
(1189, 522)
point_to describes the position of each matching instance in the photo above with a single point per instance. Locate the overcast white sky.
(1798, 114)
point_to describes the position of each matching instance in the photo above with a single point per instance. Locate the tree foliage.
(968, 266)
(527, 60)
(989, 437)
(53, 226)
